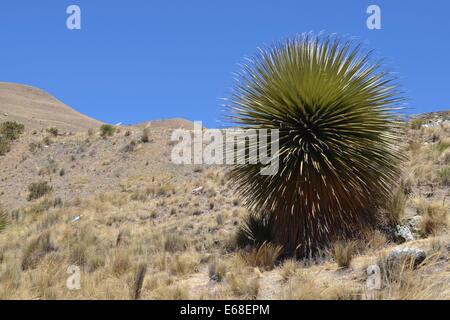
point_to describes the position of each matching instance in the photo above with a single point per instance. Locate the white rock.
(404, 233)
(197, 190)
(77, 218)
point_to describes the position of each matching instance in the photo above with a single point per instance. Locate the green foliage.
(107, 130)
(335, 110)
(38, 190)
(255, 230)
(11, 130)
(52, 131)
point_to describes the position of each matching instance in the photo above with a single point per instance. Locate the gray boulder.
(402, 255)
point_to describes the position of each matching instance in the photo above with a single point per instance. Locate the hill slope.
(36, 109)
(117, 201)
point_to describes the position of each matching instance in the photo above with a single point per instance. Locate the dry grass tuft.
(342, 253)
(36, 250)
(263, 256)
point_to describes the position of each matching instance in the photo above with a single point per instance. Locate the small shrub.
(120, 263)
(184, 263)
(434, 219)
(36, 250)
(34, 146)
(78, 255)
(47, 141)
(107, 130)
(130, 147)
(38, 190)
(254, 231)
(174, 242)
(375, 240)
(52, 131)
(342, 253)
(11, 130)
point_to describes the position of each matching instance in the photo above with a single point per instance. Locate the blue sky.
(139, 60)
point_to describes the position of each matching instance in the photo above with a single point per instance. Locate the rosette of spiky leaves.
(339, 134)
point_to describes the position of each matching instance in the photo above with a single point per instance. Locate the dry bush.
(434, 218)
(184, 263)
(36, 250)
(78, 254)
(174, 242)
(342, 253)
(52, 131)
(38, 190)
(375, 240)
(409, 281)
(263, 256)
(121, 262)
(107, 130)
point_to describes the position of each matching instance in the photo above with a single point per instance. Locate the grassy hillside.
(117, 207)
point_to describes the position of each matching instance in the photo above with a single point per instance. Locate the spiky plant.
(338, 139)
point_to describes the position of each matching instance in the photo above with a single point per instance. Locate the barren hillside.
(36, 109)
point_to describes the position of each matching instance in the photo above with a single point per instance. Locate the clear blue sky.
(138, 60)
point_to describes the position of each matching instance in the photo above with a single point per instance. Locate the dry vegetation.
(130, 220)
